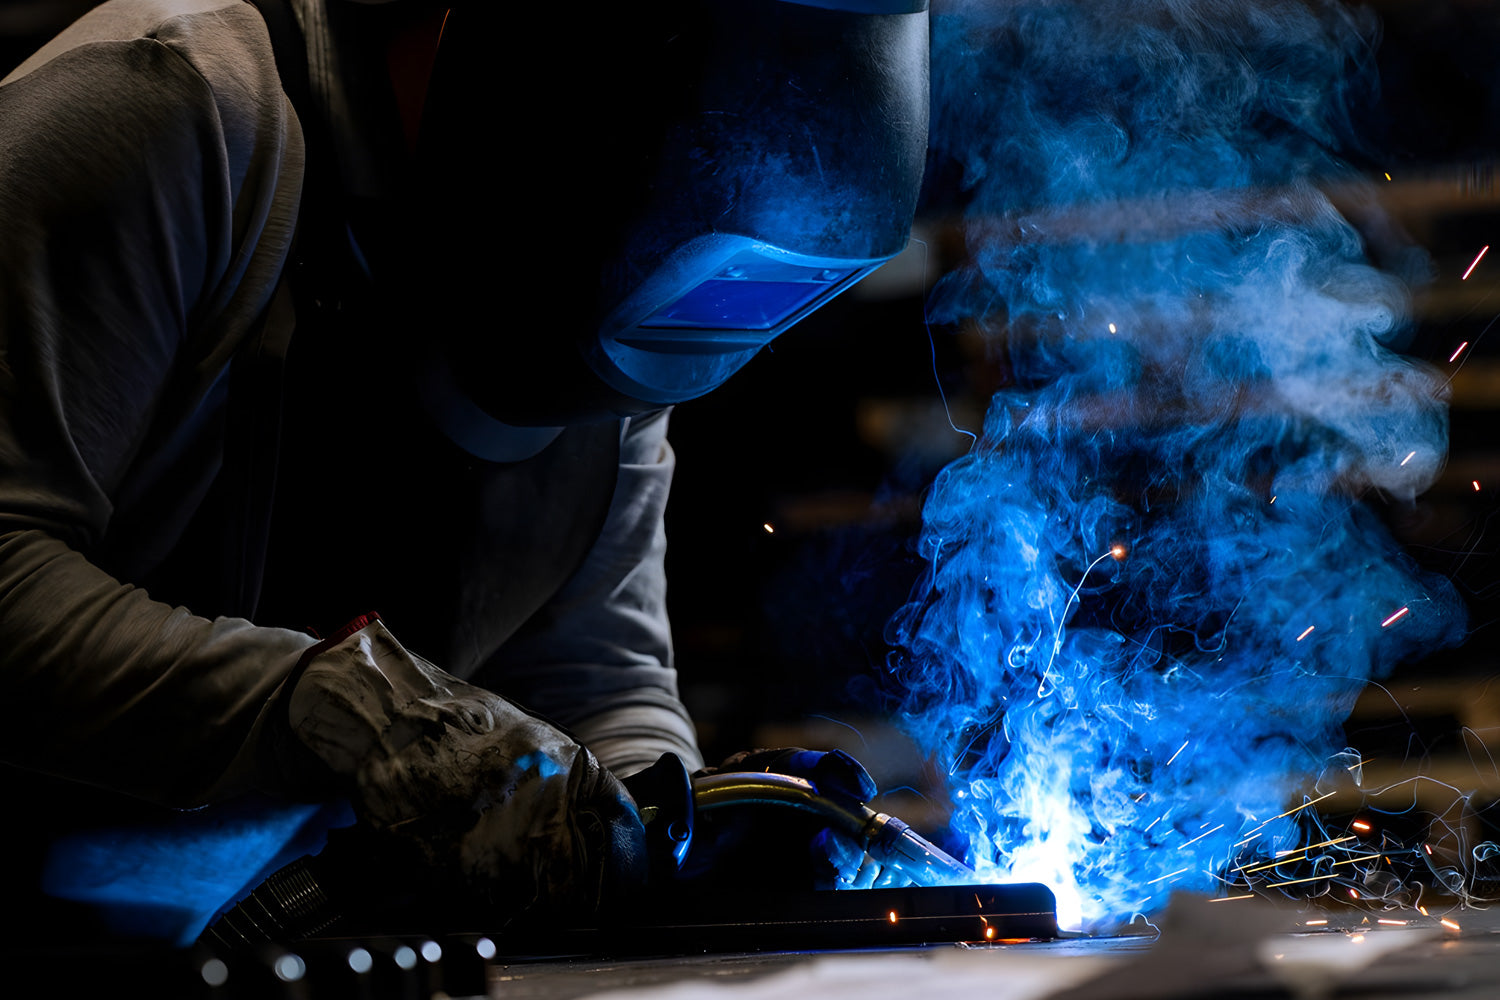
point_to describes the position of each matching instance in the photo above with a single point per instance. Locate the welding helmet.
(621, 205)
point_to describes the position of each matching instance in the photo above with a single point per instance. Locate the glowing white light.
(485, 947)
(1395, 617)
(405, 957)
(1179, 750)
(1408, 458)
(1201, 836)
(361, 961)
(432, 951)
(1306, 632)
(289, 968)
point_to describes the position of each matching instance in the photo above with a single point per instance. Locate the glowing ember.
(1395, 617)
(1167, 876)
(1200, 837)
(1477, 259)
(1458, 351)
(1179, 751)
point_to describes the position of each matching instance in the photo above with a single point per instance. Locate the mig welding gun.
(830, 787)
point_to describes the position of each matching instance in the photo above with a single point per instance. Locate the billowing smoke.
(1156, 584)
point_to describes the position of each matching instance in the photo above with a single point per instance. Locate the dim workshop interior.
(1083, 483)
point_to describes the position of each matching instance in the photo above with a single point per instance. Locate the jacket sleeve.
(598, 658)
(144, 217)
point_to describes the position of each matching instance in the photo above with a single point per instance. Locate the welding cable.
(884, 837)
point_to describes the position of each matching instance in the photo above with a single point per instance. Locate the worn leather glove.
(776, 847)
(487, 800)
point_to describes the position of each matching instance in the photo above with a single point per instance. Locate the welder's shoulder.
(168, 58)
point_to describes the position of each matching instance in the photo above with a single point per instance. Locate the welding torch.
(670, 800)
(884, 837)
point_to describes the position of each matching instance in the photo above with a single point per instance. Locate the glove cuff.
(300, 774)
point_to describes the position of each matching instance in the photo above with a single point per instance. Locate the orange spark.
(1475, 264)
(1311, 802)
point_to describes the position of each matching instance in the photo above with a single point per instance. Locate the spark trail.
(1207, 385)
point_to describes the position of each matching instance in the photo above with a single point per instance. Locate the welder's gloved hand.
(485, 798)
(776, 847)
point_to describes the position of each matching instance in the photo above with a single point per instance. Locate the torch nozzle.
(920, 859)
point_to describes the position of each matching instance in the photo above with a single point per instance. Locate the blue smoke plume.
(1155, 585)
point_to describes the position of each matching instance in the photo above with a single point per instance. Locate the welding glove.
(485, 800)
(775, 847)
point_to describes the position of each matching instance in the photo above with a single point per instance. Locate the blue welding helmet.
(623, 204)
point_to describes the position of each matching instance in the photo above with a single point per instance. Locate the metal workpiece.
(884, 837)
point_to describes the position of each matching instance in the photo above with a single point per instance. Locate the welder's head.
(623, 203)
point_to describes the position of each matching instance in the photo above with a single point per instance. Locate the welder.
(367, 318)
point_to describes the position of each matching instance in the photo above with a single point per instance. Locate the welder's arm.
(598, 657)
(145, 216)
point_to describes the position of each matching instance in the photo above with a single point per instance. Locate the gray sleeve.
(598, 658)
(144, 216)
